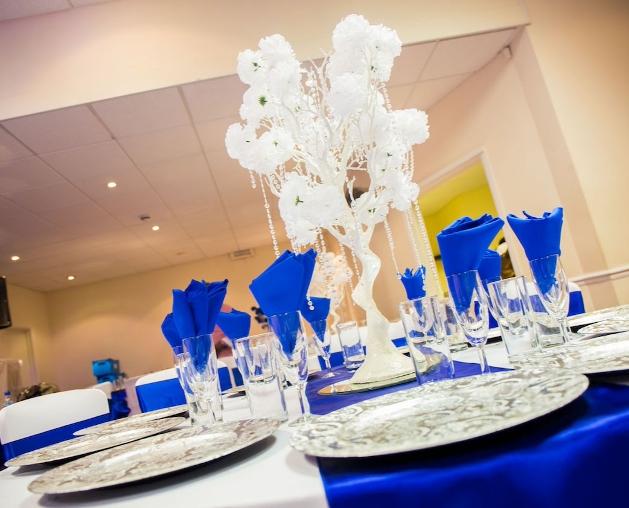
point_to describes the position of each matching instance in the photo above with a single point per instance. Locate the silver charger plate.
(132, 422)
(440, 413)
(593, 356)
(613, 325)
(154, 456)
(621, 311)
(92, 443)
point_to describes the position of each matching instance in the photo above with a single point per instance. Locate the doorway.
(17, 362)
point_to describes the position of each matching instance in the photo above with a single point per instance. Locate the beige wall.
(121, 318)
(29, 310)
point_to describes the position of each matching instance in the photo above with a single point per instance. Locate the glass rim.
(407, 302)
(241, 340)
(462, 273)
(284, 314)
(516, 277)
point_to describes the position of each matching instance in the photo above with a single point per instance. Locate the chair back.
(162, 389)
(49, 419)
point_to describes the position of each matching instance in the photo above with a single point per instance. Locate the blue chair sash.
(50, 437)
(168, 393)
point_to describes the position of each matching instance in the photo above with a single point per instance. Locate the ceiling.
(165, 151)
(12, 9)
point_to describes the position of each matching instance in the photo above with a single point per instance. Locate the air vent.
(241, 254)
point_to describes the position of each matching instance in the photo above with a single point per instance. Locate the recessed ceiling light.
(70, 277)
(15, 258)
(111, 185)
(155, 228)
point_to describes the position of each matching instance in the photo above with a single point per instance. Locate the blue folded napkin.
(321, 309)
(234, 324)
(196, 309)
(414, 283)
(464, 242)
(540, 236)
(282, 287)
(318, 315)
(462, 246)
(170, 331)
(490, 266)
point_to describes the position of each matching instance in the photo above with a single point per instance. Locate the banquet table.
(571, 457)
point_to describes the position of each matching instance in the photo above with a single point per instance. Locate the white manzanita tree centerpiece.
(306, 132)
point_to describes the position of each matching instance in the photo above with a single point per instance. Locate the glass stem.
(565, 330)
(482, 360)
(326, 359)
(300, 396)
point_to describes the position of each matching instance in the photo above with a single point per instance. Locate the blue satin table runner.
(573, 457)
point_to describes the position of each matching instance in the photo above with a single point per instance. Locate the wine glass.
(292, 350)
(551, 284)
(469, 301)
(323, 343)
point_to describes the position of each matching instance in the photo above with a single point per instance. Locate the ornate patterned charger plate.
(439, 413)
(92, 443)
(612, 325)
(154, 456)
(600, 315)
(594, 356)
(132, 422)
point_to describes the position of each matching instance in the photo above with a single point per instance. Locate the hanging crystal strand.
(268, 215)
(328, 272)
(409, 225)
(348, 270)
(253, 179)
(431, 258)
(392, 247)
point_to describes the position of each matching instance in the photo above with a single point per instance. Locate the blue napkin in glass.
(540, 236)
(318, 315)
(170, 331)
(414, 282)
(462, 245)
(234, 324)
(320, 311)
(196, 309)
(464, 242)
(282, 287)
(490, 266)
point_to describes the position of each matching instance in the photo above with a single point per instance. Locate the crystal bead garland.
(409, 225)
(268, 214)
(392, 247)
(431, 258)
(328, 271)
(348, 270)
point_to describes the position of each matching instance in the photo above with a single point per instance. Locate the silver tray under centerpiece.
(155, 456)
(132, 422)
(594, 356)
(92, 443)
(606, 327)
(440, 413)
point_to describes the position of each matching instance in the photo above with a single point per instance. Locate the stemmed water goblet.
(292, 350)
(323, 342)
(551, 284)
(469, 301)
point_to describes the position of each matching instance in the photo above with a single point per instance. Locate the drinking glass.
(351, 345)
(469, 301)
(292, 349)
(426, 339)
(451, 327)
(256, 362)
(551, 284)
(323, 342)
(200, 371)
(509, 300)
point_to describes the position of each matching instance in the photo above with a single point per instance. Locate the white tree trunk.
(384, 361)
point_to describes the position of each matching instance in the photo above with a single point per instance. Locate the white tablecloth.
(271, 475)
